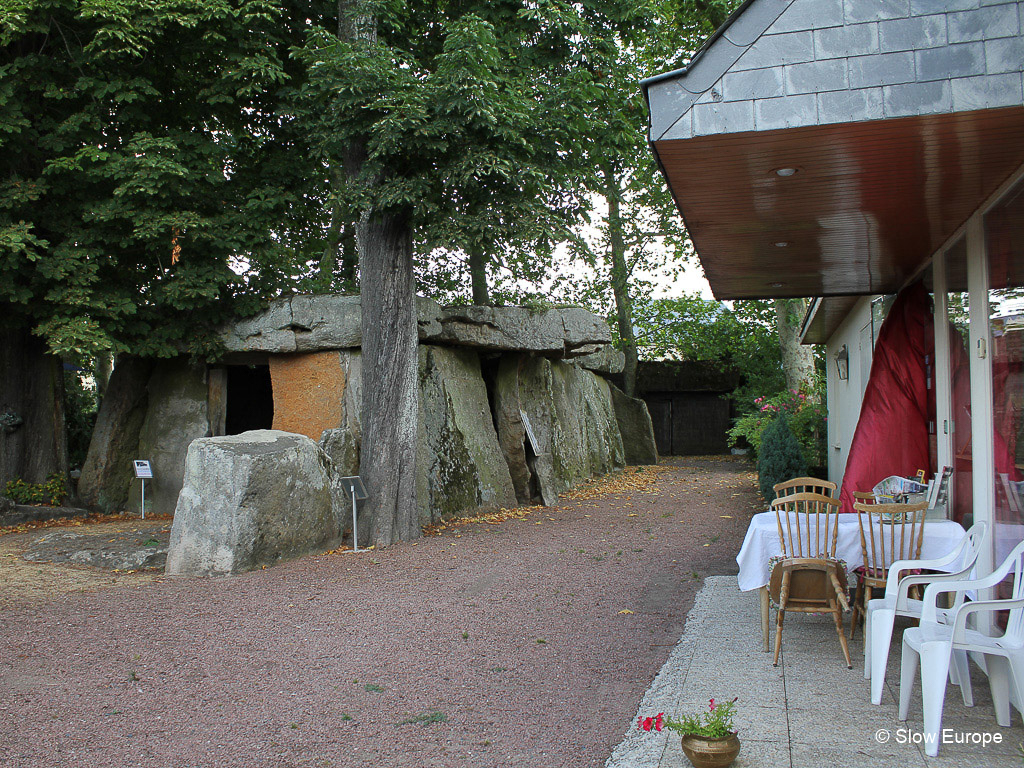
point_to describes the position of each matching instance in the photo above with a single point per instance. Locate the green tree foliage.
(742, 338)
(637, 229)
(145, 154)
(780, 458)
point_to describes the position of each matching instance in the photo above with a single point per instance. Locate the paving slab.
(810, 711)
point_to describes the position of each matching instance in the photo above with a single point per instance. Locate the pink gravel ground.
(527, 643)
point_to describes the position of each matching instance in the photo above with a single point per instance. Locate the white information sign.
(142, 469)
(529, 431)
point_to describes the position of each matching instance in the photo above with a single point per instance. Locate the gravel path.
(523, 643)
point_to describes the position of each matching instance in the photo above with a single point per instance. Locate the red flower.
(658, 721)
(711, 706)
(647, 723)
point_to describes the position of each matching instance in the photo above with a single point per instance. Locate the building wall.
(844, 397)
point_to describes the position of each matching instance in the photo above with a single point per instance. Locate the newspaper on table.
(895, 488)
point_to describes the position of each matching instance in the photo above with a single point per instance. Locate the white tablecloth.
(762, 542)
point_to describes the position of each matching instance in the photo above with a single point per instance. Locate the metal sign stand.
(354, 486)
(143, 471)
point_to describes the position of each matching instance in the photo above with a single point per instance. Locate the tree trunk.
(329, 258)
(390, 407)
(103, 365)
(797, 359)
(349, 259)
(478, 276)
(620, 284)
(107, 470)
(33, 443)
(390, 411)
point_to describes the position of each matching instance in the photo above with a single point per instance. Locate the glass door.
(1004, 244)
(960, 492)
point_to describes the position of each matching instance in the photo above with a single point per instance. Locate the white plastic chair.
(882, 612)
(933, 644)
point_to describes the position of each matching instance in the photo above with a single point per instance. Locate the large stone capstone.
(311, 323)
(563, 332)
(250, 500)
(315, 323)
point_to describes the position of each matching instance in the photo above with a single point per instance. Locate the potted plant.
(709, 739)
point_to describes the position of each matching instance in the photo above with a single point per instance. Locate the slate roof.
(788, 63)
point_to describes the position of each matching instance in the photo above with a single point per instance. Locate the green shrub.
(52, 492)
(780, 458)
(806, 417)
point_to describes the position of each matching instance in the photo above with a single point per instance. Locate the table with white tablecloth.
(762, 543)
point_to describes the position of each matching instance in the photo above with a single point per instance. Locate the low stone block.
(250, 500)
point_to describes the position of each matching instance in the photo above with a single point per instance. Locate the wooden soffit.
(869, 203)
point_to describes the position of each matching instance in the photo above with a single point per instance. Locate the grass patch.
(373, 688)
(426, 718)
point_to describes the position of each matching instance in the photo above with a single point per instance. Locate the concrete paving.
(810, 711)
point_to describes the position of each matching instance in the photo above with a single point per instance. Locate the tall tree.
(445, 117)
(144, 155)
(640, 229)
(797, 358)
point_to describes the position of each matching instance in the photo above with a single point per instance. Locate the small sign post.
(354, 486)
(143, 471)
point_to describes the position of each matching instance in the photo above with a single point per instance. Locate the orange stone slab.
(308, 389)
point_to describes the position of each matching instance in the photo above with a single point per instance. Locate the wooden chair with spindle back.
(808, 578)
(804, 485)
(888, 532)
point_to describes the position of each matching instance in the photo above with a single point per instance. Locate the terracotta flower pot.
(711, 753)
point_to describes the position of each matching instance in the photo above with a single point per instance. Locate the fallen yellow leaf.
(625, 610)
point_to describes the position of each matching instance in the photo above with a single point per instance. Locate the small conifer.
(780, 458)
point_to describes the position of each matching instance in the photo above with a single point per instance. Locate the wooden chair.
(888, 532)
(804, 485)
(808, 578)
(864, 497)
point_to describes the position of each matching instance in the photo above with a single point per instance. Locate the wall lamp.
(843, 363)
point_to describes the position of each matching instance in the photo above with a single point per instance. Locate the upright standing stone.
(460, 466)
(635, 426)
(176, 416)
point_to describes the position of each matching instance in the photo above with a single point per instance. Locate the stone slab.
(309, 389)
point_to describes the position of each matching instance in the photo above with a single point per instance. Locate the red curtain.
(892, 433)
